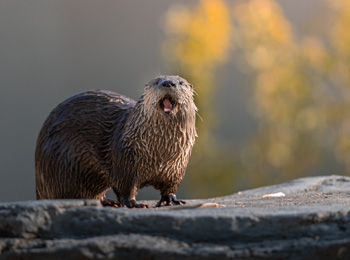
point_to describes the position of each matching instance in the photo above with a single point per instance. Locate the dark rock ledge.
(311, 222)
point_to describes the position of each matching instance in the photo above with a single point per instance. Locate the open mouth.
(167, 104)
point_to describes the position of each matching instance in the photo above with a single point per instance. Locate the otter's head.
(168, 95)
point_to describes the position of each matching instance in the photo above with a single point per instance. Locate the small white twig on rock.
(274, 195)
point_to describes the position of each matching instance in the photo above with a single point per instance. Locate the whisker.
(199, 116)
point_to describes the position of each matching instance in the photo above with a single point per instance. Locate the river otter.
(97, 140)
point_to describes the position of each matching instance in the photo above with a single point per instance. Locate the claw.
(170, 200)
(111, 203)
(131, 203)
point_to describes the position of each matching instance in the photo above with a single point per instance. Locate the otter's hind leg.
(111, 203)
(129, 200)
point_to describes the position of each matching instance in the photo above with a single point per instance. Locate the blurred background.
(272, 81)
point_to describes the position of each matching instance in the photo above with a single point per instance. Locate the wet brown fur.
(97, 140)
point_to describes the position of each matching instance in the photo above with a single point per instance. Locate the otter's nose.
(168, 84)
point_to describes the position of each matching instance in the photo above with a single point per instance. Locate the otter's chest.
(163, 151)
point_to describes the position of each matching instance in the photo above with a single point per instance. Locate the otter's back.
(73, 151)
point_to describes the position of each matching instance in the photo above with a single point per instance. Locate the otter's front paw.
(131, 203)
(169, 200)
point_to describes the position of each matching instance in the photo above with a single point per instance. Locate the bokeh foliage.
(300, 89)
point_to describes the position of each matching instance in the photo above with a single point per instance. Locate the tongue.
(167, 105)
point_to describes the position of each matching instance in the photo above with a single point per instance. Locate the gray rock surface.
(311, 222)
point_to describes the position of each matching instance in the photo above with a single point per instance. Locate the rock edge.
(312, 221)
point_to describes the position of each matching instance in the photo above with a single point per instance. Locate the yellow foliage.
(300, 87)
(263, 24)
(339, 75)
(198, 40)
(340, 32)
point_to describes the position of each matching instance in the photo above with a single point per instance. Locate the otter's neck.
(151, 128)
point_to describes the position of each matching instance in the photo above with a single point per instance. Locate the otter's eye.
(156, 82)
(181, 82)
